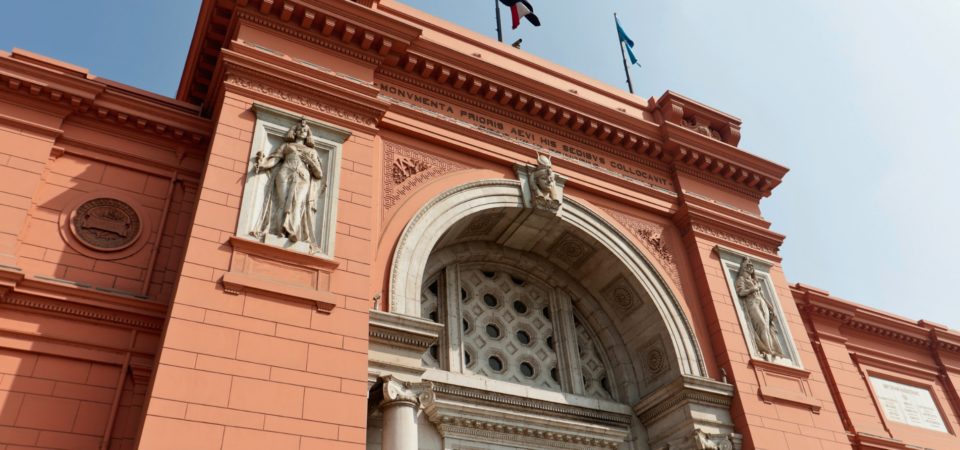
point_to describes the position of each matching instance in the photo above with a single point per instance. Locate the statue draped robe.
(290, 198)
(759, 316)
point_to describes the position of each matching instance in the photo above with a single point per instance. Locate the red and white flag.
(519, 9)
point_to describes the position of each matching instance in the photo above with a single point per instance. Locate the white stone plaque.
(907, 404)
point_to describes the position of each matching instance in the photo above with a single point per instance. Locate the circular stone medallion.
(655, 360)
(106, 224)
(623, 297)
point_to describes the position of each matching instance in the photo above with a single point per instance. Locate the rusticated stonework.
(405, 168)
(106, 224)
(655, 239)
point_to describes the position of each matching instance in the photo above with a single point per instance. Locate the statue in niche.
(294, 183)
(544, 185)
(759, 312)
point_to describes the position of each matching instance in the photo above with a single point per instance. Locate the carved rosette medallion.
(619, 293)
(106, 224)
(654, 360)
(405, 169)
(655, 239)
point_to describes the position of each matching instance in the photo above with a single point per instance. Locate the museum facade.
(361, 227)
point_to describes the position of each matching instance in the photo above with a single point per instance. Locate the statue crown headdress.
(543, 160)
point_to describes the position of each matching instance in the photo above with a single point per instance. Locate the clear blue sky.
(859, 98)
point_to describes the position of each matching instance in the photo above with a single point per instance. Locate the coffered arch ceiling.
(614, 286)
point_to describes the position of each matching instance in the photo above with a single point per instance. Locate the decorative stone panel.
(655, 238)
(771, 309)
(509, 321)
(319, 217)
(622, 296)
(571, 250)
(653, 359)
(405, 169)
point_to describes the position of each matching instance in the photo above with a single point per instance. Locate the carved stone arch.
(426, 228)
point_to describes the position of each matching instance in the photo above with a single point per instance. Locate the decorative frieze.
(297, 99)
(655, 238)
(734, 238)
(405, 169)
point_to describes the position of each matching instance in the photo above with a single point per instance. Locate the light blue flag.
(625, 38)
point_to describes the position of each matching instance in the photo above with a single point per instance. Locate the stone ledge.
(235, 283)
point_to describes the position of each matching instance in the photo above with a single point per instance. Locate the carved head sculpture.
(302, 132)
(747, 269)
(543, 161)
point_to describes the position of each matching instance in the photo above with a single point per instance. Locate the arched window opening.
(517, 326)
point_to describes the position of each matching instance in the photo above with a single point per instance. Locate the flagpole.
(623, 51)
(499, 28)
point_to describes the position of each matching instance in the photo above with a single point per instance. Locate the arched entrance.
(480, 262)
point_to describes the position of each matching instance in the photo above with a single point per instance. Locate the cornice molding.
(372, 60)
(544, 125)
(400, 330)
(521, 147)
(107, 104)
(19, 290)
(464, 394)
(704, 223)
(685, 389)
(818, 303)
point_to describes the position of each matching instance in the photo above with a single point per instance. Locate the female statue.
(759, 311)
(294, 176)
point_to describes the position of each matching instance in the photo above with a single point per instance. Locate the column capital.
(390, 391)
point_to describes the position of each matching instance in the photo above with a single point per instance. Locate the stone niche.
(731, 261)
(272, 127)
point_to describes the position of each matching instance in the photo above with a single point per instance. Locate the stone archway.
(426, 228)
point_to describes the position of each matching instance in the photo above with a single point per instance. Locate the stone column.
(399, 402)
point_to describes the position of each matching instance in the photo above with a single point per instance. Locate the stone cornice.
(501, 140)
(644, 141)
(742, 235)
(404, 331)
(104, 100)
(326, 89)
(263, 85)
(683, 390)
(817, 303)
(485, 397)
(673, 130)
(484, 416)
(19, 290)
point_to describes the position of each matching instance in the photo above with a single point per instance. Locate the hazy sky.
(859, 98)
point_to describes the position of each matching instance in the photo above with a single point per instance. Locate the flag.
(625, 38)
(520, 9)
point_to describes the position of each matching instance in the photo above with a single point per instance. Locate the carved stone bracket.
(542, 188)
(698, 440)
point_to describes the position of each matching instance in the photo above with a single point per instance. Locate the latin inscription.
(908, 404)
(496, 125)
